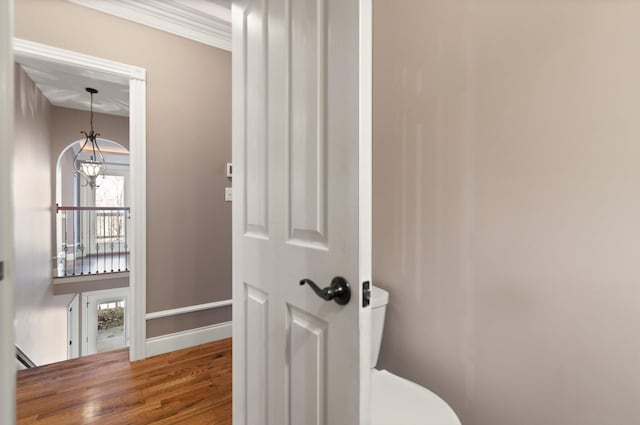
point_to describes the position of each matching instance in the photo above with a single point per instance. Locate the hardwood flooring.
(191, 386)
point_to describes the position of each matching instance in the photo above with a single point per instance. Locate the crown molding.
(168, 16)
(25, 50)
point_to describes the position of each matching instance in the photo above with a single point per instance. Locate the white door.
(302, 210)
(73, 328)
(7, 345)
(105, 322)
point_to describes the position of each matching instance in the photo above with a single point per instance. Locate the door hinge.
(1, 271)
(366, 293)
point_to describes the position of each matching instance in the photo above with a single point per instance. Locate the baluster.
(104, 238)
(64, 241)
(97, 241)
(73, 240)
(120, 225)
(126, 241)
(81, 243)
(90, 213)
(111, 214)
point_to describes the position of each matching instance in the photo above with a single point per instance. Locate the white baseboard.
(185, 339)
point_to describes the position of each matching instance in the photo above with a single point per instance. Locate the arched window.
(91, 225)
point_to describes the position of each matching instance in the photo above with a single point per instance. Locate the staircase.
(22, 360)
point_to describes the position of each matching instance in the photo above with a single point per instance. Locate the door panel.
(307, 147)
(255, 48)
(299, 211)
(306, 369)
(257, 343)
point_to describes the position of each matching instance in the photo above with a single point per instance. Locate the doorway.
(39, 55)
(105, 321)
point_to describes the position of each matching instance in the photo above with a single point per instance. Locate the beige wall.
(67, 123)
(67, 173)
(41, 318)
(507, 205)
(188, 143)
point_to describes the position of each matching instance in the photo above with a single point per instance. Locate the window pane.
(110, 192)
(111, 335)
(110, 224)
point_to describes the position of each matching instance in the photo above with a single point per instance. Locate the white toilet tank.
(379, 301)
(395, 400)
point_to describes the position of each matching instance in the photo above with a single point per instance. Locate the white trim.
(138, 196)
(25, 50)
(365, 195)
(185, 339)
(237, 222)
(7, 342)
(189, 309)
(168, 16)
(88, 278)
(136, 76)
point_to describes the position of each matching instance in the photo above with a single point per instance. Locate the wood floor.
(191, 386)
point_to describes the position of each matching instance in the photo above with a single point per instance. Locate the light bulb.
(91, 168)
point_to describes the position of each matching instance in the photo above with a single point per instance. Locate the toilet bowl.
(396, 400)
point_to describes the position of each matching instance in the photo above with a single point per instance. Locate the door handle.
(339, 290)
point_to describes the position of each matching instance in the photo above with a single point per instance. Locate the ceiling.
(65, 86)
(205, 21)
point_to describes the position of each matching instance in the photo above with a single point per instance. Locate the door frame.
(365, 193)
(136, 76)
(7, 341)
(73, 328)
(89, 302)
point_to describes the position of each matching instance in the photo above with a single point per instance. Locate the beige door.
(302, 210)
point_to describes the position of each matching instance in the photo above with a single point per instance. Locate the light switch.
(229, 169)
(228, 194)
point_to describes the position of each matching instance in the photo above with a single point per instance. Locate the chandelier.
(95, 165)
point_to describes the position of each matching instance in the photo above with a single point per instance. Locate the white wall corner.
(190, 338)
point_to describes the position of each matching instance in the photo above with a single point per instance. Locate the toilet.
(395, 400)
